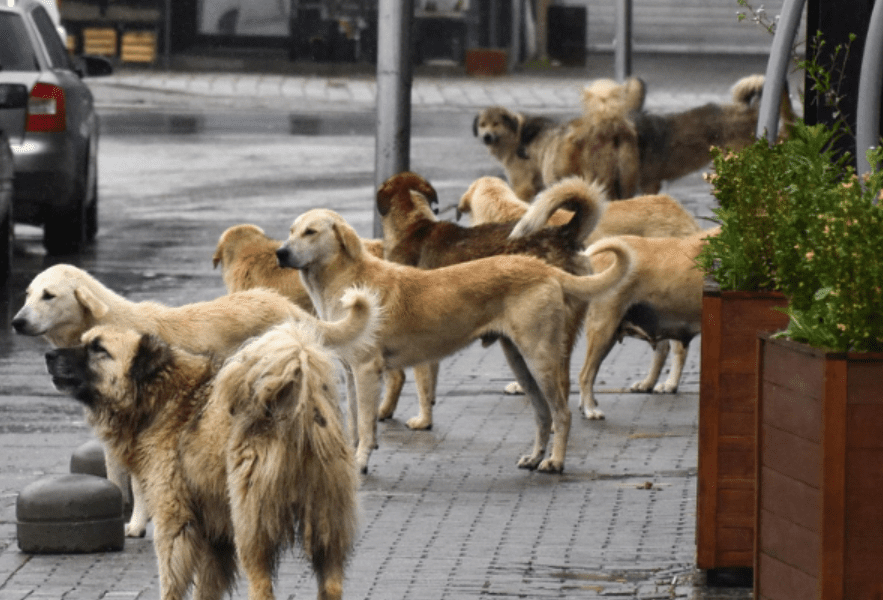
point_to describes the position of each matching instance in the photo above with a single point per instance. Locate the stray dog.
(247, 257)
(414, 236)
(491, 200)
(660, 299)
(63, 302)
(237, 466)
(537, 151)
(433, 313)
(648, 216)
(676, 144)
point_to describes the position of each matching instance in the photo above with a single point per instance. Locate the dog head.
(489, 200)
(395, 194)
(60, 304)
(318, 238)
(607, 98)
(233, 239)
(498, 129)
(109, 368)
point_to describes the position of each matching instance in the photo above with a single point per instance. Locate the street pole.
(623, 41)
(393, 141)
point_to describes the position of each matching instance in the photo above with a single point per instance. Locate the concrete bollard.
(70, 514)
(89, 459)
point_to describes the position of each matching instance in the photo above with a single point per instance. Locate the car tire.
(92, 212)
(64, 232)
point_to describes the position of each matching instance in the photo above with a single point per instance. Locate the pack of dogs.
(226, 414)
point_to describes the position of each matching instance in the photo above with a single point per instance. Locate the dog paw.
(136, 530)
(593, 414)
(665, 388)
(529, 461)
(640, 387)
(513, 389)
(551, 466)
(419, 422)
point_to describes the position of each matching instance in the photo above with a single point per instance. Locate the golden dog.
(247, 257)
(237, 466)
(63, 302)
(676, 144)
(414, 236)
(433, 313)
(537, 151)
(660, 299)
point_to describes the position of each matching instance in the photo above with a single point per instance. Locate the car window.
(57, 52)
(16, 52)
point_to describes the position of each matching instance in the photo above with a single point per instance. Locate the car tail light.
(46, 109)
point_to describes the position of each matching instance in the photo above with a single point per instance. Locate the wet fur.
(433, 313)
(237, 466)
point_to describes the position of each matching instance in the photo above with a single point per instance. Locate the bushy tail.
(587, 200)
(355, 332)
(586, 287)
(748, 91)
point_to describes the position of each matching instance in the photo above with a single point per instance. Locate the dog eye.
(95, 347)
(47, 295)
(310, 231)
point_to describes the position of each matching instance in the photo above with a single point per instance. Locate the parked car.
(6, 174)
(54, 137)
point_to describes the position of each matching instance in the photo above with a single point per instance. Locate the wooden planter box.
(819, 473)
(727, 422)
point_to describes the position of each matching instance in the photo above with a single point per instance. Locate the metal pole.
(393, 141)
(867, 126)
(167, 34)
(777, 70)
(515, 42)
(623, 40)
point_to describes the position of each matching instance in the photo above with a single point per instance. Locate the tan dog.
(660, 299)
(247, 257)
(236, 467)
(414, 236)
(491, 200)
(433, 313)
(677, 144)
(647, 216)
(537, 151)
(63, 302)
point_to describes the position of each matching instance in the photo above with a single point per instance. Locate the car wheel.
(6, 244)
(92, 211)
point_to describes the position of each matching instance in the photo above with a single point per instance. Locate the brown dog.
(237, 466)
(677, 144)
(414, 236)
(537, 151)
(247, 257)
(432, 313)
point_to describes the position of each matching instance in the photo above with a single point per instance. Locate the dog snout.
(488, 138)
(22, 326)
(285, 258)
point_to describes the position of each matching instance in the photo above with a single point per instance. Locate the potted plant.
(738, 303)
(819, 401)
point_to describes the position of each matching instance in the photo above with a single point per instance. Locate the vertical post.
(167, 37)
(867, 122)
(623, 41)
(393, 140)
(777, 70)
(515, 42)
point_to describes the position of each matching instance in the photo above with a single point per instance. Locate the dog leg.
(258, 564)
(677, 366)
(367, 379)
(137, 525)
(542, 414)
(600, 330)
(659, 356)
(393, 380)
(215, 573)
(352, 405)
(426, 376)
(329, 580)
(179, 547)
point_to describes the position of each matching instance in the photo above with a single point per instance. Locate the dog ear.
(348, 240)
(511, 122)
(475, 126)
(152, 355)
(91, 302)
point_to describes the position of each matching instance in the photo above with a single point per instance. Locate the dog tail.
(586, 287)
(587, 200)
(355, 332)
(747, 90)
